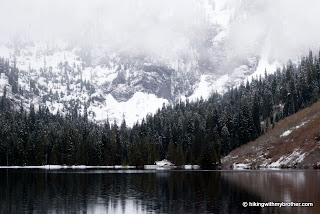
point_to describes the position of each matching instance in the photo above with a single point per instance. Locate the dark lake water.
(155, 191)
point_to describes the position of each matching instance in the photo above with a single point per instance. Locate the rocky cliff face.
(128, 83)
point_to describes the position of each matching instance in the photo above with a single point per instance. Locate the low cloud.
(279, 29)
(158, 25)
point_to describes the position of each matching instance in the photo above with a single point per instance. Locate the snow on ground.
(302, 124)
(241, 166)
(3, 82)
(67, 167)
(191, 167)
(286, 133)
(163, 163)
(205, 87)
(99, 74)
(141, 104)
(265, 63)
(295, 157)
(160, 165)
(54, 107)
(40, 55)
(43, 55)
(134, 109)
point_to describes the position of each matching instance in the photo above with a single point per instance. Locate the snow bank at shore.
(67, 167)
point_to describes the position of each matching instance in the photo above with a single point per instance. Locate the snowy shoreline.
(67, 167)
(187, 167)
(236, 167)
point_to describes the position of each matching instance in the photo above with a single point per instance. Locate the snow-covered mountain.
(127, 83)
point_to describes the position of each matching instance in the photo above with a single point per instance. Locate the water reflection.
(146, 191)
(280, 186)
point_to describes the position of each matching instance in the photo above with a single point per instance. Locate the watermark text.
(276, 204)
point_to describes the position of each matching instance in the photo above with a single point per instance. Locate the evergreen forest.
(198, 132)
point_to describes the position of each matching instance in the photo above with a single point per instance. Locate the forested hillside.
(293, 143)
(186, 133)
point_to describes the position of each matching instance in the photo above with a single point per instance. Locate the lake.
(155, 191)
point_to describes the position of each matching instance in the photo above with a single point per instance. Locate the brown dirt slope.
(294, 142)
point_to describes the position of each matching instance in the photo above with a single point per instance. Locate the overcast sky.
(287, 27)
(125, 23)
(282, 27)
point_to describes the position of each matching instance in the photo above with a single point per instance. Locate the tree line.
(197, 132)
